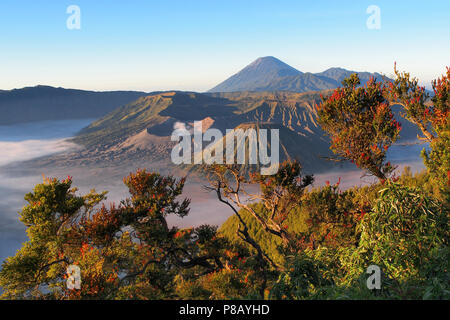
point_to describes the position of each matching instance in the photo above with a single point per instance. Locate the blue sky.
(195, 44)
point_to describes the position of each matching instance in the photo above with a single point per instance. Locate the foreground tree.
(361, 125)
(279, 195)
(432, 117)
(406, 234)
(429, 114)
(125, 251)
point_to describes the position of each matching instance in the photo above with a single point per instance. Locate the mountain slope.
(309, 149)
(159, 112)
(49, 103)
(259, 74)
(143, 128)
(271, 74)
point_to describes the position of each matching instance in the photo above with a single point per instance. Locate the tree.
(52, 207)
(279, 195)
(333, 215)
(401, 234)
(431, 115)
(361, 125)
(125, 251)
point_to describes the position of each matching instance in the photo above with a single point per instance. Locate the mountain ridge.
(271, 74)
(42, 102)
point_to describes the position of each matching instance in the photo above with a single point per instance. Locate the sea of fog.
(24, 142)
(31, 140)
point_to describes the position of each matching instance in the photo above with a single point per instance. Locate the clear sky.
(195, 44)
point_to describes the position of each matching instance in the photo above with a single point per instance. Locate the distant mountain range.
(49, 103)
(271, 74)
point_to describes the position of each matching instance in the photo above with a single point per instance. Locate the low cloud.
(12, 152)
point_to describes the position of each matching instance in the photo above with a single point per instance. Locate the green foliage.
(323, 216)
(438, 161)
(435, 273)
(405, 234)
(402, 230)
(305, 276)
(269, 243)
(51, 204)
(333, 214)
